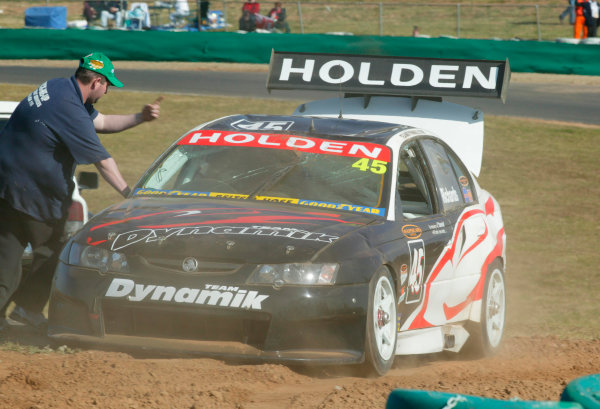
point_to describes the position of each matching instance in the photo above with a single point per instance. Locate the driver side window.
(412, 187)
(444, 169)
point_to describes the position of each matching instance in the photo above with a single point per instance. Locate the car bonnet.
(220, 230)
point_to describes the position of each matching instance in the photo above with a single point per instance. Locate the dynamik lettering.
(219, 295)
(400, 75)
(152, 235)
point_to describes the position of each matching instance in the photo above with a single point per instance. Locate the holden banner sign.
(385, 75)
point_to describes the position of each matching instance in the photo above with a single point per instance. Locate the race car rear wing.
(387, 89)
(398, 76)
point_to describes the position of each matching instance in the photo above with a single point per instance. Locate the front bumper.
(294, 324)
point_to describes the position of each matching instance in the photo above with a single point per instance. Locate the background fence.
(531, 21)
(522, 21)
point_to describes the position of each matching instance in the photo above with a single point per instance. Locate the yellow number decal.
(362, 164)
(376, 166)
(379, 167)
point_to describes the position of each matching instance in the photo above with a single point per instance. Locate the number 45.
(376, 166)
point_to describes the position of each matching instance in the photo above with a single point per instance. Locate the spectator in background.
(569, 11)
(247, 21)
(252, 6)
(112, 11)
(277, 13)
(182, 10)
(594, 18)
(582, 8)
(203, 12)
(89, 12)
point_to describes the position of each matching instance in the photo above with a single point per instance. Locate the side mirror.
(87, 180)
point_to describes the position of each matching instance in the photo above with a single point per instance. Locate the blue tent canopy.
(46, 17)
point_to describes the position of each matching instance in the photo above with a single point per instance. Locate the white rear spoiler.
(459, 126)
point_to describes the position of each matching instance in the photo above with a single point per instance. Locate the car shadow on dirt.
(401, 362)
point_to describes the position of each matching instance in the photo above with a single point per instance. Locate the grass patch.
(545, 176)
(547, 181)
(34, 349)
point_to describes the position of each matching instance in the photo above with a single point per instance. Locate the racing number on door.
(416, 272)
(376, 166)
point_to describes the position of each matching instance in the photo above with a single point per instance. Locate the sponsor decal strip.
(313, 203)
(208, 137)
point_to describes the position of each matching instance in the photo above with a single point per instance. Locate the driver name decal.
(291, 142)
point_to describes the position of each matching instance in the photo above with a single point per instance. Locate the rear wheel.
(485, 336)
(380, 344)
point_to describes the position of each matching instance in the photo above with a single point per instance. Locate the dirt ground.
(529, 368)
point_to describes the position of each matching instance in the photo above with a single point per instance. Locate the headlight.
(295, 273)
(98, 258)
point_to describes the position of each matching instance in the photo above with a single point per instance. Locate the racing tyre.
(380, 338)
(486, 335)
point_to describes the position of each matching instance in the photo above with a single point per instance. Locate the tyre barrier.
(580, 393)
(584, 390)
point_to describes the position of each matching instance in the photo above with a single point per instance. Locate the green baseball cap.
(98, 62)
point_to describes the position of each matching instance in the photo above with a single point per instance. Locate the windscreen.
(295, 170)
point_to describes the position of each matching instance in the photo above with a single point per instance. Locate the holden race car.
(349, 232)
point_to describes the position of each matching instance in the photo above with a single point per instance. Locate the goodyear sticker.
(343, 206)
(228, 195)
(277, 199)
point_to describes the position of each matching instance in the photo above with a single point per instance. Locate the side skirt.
(431, 340)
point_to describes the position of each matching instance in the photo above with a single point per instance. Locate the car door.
(466, 224)
(426, 234)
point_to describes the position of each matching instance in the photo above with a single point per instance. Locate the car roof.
(330, 128)
(461, 127)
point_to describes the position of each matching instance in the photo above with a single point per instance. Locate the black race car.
(343, 234)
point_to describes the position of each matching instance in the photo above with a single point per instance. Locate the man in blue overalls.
(50, 132)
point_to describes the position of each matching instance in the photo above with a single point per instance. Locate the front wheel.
(485, 336)
(380, 344)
